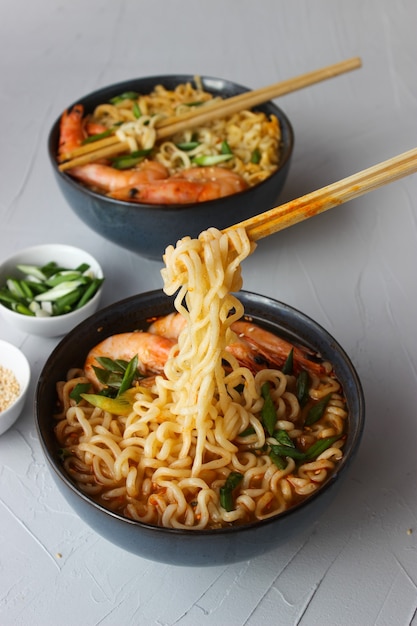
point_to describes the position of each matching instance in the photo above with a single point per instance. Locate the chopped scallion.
(211, 159)
(126, 95)
(97, 136)
(226, 492)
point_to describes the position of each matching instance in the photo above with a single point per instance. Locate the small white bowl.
(66, 256)
(12, 359)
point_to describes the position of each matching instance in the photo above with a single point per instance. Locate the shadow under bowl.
(193, 547)
(148, 229)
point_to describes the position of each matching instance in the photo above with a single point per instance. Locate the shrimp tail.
(71, 130)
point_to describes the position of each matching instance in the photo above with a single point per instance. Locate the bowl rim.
(249, 298)
(287, 147)
(22, 373)
(10, 260)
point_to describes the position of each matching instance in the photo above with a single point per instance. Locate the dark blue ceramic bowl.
(181, 547)
(148, 229)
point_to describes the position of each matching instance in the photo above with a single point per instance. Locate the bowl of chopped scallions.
(46, 290)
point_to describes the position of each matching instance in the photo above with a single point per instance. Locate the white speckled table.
(353, 269)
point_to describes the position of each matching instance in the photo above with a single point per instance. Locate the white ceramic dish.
(11, 358)
(67, 256)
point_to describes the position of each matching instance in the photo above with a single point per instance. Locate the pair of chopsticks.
(111, 146)
(317, 202)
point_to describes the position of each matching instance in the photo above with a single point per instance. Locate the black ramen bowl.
(194, 547)
(148, 229)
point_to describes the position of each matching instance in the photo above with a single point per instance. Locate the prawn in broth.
(225, 429)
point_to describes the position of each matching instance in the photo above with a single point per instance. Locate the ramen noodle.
(208, 442)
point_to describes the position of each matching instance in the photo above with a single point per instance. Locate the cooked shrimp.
(152, 352)
(255, 348)
(228, 182)
(71, 132)
(94, 128)
(271, 349)
(110, 179)
(168, 191)
(196, 184)
(168, 326)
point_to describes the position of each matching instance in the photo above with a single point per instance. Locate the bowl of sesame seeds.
(14, 384)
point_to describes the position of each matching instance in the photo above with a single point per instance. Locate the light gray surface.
(352, 269)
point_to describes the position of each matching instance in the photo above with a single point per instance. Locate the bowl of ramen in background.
(196, 547)
(147, 228)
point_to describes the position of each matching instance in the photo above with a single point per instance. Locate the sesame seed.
(9, 388)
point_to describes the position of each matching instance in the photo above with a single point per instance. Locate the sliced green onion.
(303, 387)
(62, 277)
(23, 309)
(51, 268)
(127, 161)
(226, 492)
(225, 148)
(14, 287)
(64, 304)
(89, 292)
(37, 287)
(268, 411)
(26, 290)
(211, 159)
(277, 460)
(122, 405)
(320, 446)
(97, 136)
(79, 389)
(256, 156)
(8, 298)
(197, 103)
(289, 363)
(317, 410)
(136, 110)
(46, 307)
(283, 438)
(32, 270)
(188, 145)
(129, 375)
(117, 374)
(112, 365)
(284, 451)
(126, 95)
(34, 306)
(248, 431)
(58, 291)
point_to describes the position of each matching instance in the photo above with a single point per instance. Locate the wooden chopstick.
(250, 99)
(111, 146)
(317, 202)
